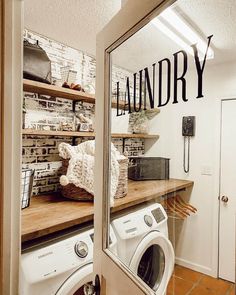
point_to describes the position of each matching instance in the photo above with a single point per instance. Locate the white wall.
(196, 245)
(196, 240)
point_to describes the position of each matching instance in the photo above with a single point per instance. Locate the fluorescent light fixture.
(169, 23)
(168, 32)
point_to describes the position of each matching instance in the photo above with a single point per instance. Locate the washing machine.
(143, 245)
(60, 268)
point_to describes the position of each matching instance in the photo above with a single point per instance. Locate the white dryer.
(143, 245)
(61, 268)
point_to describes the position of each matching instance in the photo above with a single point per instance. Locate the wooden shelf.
(49, 214)
(135, 135)
(58, 91)
(85, 134)
(57, 133)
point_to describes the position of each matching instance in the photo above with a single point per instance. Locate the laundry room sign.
(145, 88)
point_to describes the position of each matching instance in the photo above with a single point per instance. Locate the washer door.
(153, 261)
(73, 285)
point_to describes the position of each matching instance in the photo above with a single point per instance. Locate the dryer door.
(153, 261)
(74, 284)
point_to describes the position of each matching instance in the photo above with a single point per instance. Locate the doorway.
(227, 191)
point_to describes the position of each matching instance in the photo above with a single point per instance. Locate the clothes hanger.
(180, 207)
(180, 201)
(172, 208)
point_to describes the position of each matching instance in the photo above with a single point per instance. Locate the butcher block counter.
(52, 213)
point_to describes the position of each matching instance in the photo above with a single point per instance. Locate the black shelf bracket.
(73, 110)
(123, 145)
(74, 105)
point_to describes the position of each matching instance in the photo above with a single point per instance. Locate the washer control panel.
(81, 249)
(148, 220)
(56, 258)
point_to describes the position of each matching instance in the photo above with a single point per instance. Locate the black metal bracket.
(74, 105)
(123, 145)
(73, 110)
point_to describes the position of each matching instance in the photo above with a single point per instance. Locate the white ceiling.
(72, 22)
(207, 17)
(76, 22)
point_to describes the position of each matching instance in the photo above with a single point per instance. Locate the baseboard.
(196, 267)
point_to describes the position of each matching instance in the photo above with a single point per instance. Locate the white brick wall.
(39, 152)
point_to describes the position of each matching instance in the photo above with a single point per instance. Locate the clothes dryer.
(143, 245)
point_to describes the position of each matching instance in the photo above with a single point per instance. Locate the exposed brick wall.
(62, 55)
(41, 153)
(45, 111)
(133, 146)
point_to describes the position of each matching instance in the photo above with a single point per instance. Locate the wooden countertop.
(51, 213)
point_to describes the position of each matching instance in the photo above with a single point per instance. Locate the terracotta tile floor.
(188, 282)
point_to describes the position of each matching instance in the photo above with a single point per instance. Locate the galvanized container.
(148, 168)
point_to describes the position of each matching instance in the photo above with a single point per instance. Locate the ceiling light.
(173, 26)
(164, 29)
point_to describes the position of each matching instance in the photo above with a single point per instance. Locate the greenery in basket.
(140, 122)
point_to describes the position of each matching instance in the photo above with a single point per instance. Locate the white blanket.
(80, 171)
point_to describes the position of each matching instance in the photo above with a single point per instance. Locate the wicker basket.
(73, 192)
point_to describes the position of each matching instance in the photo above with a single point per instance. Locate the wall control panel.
(188, 126)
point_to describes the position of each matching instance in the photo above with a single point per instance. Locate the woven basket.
(73, 192)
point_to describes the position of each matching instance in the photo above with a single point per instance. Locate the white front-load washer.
(143, 245)
(60, 268)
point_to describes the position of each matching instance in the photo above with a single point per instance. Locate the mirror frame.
(107, 141)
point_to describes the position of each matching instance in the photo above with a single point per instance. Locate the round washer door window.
(152, 266)
(153, 261)
(73, 285)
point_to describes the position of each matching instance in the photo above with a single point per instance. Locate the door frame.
(10, 142)
(217, 188)
(228, 98)
(133, 16)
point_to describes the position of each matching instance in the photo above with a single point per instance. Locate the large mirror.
(172, 116)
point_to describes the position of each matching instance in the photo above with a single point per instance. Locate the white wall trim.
(194, 266)
(216, 216)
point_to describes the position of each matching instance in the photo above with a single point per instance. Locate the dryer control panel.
(158, 215)
(139, 222)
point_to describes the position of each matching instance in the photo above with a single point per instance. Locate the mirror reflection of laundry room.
(175, 92)
(172, 126)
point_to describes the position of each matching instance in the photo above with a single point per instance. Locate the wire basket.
(68, 75)
(27, 178)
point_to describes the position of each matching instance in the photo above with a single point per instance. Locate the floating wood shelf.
(85, 134)
(52, 213)
(57, 133)
(58, 91)
(136, 135)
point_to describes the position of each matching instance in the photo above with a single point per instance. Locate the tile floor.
(188, 282)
